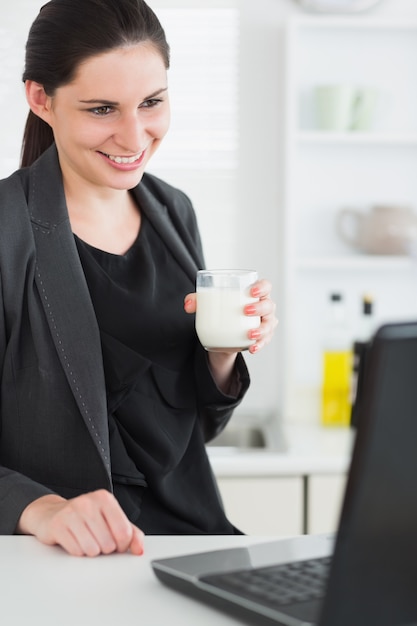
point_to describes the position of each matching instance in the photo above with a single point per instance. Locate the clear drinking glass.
(221, 297)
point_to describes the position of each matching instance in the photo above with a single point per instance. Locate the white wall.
(14, 25)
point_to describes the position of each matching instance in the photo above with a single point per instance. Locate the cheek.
(89, 138)
(91, 134)
(161, 125)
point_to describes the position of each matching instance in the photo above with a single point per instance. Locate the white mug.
(345, 107)
(385, 229)
(220, 320)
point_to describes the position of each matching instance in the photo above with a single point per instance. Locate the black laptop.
(365, 575)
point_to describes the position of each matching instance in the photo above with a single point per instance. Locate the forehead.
(123, 67)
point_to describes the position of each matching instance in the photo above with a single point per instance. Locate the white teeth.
(118, 159)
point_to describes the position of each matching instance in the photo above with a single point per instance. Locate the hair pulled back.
(68, 32)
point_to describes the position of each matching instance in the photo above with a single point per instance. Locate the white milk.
(220, 321)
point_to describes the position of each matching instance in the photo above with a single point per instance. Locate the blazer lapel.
(158, 215)
(66, 299)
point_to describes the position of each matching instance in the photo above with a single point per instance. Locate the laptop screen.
(375, 561)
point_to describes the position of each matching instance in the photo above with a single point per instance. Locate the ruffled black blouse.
(160, 470)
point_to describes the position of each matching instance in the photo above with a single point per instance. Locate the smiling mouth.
(123, 160)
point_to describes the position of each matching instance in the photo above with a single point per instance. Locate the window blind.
(203, 87)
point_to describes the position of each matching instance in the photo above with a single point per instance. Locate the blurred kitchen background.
(294, 132)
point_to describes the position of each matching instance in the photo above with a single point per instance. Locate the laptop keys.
(277, 585)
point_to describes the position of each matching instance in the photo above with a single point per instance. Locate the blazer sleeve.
(16, 493)
(215, 407)
(16, 490)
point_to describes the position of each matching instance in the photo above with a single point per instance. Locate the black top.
(160, 470)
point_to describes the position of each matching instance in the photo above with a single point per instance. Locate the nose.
(131, 133)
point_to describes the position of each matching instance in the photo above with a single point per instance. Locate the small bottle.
(363, 336)
(337, 366)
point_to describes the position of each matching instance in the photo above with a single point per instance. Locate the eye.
(102, 110)
(151, 103)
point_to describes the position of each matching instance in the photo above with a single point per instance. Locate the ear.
(38, 101)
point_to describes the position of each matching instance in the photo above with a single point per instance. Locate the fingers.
(68, 541)
(90, 525)
(136, 545)
(265, 309)
(190, 301)
(261, 289)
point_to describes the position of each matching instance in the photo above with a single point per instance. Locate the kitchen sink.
(249, 437)
(243, 438)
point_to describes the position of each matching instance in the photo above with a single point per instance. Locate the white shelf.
(354, 22)
(357, 138)
(355, 264)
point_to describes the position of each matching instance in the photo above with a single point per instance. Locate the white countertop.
(310, 449)
(44, 586)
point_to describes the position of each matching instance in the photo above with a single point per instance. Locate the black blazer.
(53, 421)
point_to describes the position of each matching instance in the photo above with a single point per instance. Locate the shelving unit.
(326, 171)
(360, 263)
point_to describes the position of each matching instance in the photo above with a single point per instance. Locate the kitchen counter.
(308, 449)
(293, 487)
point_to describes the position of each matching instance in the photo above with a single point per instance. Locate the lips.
(123, 160)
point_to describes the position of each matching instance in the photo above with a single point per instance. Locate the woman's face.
(111, 118)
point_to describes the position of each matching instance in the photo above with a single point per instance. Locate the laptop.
(366, 573)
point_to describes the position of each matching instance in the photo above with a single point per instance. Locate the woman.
(107, 397)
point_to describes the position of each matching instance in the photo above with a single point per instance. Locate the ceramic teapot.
(383, 229)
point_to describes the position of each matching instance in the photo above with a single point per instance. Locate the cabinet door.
(324, 500)
(264, 506)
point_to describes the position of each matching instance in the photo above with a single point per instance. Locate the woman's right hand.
(88, 525)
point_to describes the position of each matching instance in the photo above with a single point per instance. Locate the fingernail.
(250, 310)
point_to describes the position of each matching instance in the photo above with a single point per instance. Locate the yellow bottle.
(336, 396)
(337, 368)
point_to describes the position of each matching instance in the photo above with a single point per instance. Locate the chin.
(126, 181)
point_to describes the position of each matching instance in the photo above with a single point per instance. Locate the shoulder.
(16, 234)
(16, 183)
(13, 195)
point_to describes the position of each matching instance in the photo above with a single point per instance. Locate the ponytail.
(37, 137)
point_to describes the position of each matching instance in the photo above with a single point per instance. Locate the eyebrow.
(114, 103)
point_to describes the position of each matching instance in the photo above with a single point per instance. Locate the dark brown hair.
(66, 33)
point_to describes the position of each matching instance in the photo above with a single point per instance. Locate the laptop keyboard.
(278, 585)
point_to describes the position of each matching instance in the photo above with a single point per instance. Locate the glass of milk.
(220, 320)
